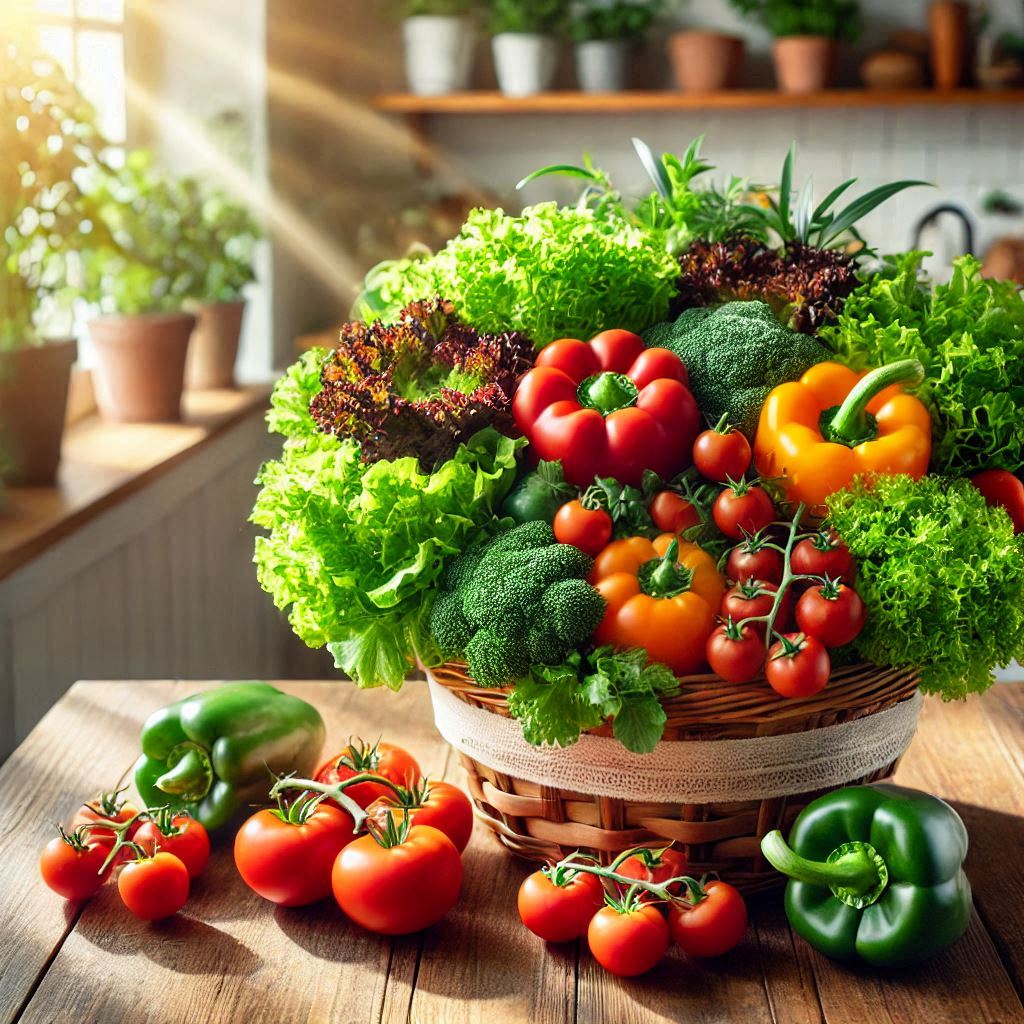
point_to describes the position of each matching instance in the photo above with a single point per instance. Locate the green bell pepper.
(876, 874)
(212, 753)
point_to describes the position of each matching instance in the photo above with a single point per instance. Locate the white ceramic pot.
(438, 53)
(601, 65)
(525, 63)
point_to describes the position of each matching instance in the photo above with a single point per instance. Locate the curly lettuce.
(353, 552)
(551, 272)
(968, 335)
(942, 576)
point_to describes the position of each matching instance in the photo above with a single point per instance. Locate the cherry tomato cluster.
(632, 910)
(158, 853)
(402, 874)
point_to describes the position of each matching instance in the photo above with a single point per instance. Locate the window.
(87, 37)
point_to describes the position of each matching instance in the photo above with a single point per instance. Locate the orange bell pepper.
(833, 424)
(662, 595)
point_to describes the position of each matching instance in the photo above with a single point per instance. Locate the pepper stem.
(665, 577)
(189, 773)
(854, 871)
(607, 392)
(851, 423)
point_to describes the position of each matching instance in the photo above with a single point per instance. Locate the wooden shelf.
(648, 102)
(105, 462)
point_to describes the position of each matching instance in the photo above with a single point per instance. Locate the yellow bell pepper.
(833, 424)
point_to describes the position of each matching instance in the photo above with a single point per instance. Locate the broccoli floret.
(518, 600)
(734, 355)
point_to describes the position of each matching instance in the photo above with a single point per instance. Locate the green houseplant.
(603, 31)
(140, 278)
(807, 33)
(47, 137)
(222, 236)
(525, 42)
(438, 37)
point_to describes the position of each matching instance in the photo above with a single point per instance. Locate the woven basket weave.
(543, 823)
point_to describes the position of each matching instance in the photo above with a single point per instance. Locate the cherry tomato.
(797, 665)
(71, 866)
(670, 863)
(559, 913)
(289, 862)
(722, 455)
(823, 555)
(628, 943)
(438, 804)
(743, 509)
(753, 599)
(186, 839)
(833, 614)
(749, 561)
(107, 807)
(672, 513)
(735, 654)
(714, 925)
(395, 890)
(589, 529)
(155, 887)
(383, 759)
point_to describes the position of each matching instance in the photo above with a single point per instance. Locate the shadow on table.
(323, 931)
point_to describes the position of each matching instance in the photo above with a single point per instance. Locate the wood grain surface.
(230, 956)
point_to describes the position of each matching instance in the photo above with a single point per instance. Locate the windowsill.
(103, 463)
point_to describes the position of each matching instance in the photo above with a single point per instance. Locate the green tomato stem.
(336, 792)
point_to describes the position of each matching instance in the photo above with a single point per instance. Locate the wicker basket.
(543, 823)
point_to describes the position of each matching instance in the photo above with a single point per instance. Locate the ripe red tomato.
(753, 599)
(559, 913)
(823, 555)
(395, 890)
(439, 804)
(714, 926)
(628, 943)
(106, 807)
(835, 615)
(737, 655)
(672, 513)
(290, 862)
(383, 759)
(754, 562)
(186, 839)
(71, 867)
(797, 665)
(743, 509)
(155, 887)
(670, 863)
(722, 455)
(589, 529)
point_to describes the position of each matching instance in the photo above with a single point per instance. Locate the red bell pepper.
(608, 407)
(1000, 487)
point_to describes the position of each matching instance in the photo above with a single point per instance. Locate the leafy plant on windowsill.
(48, 135)
(834, 19)
(594, 20)
(224, 237)
(539, 17)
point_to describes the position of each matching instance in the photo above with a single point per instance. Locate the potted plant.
(438, 37)
(604, 31)
(806, 33)
(222, 238)
(140, 281)
(47, 136)
(525, 43)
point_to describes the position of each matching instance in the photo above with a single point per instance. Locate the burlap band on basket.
(684, 772)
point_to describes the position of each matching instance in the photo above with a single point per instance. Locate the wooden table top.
(229, 956)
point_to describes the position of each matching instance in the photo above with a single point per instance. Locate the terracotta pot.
(705, 61)
(33, 399)
(891, 69)
(214, 347)
(948, 24)
(140, 365)
(804, 63)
